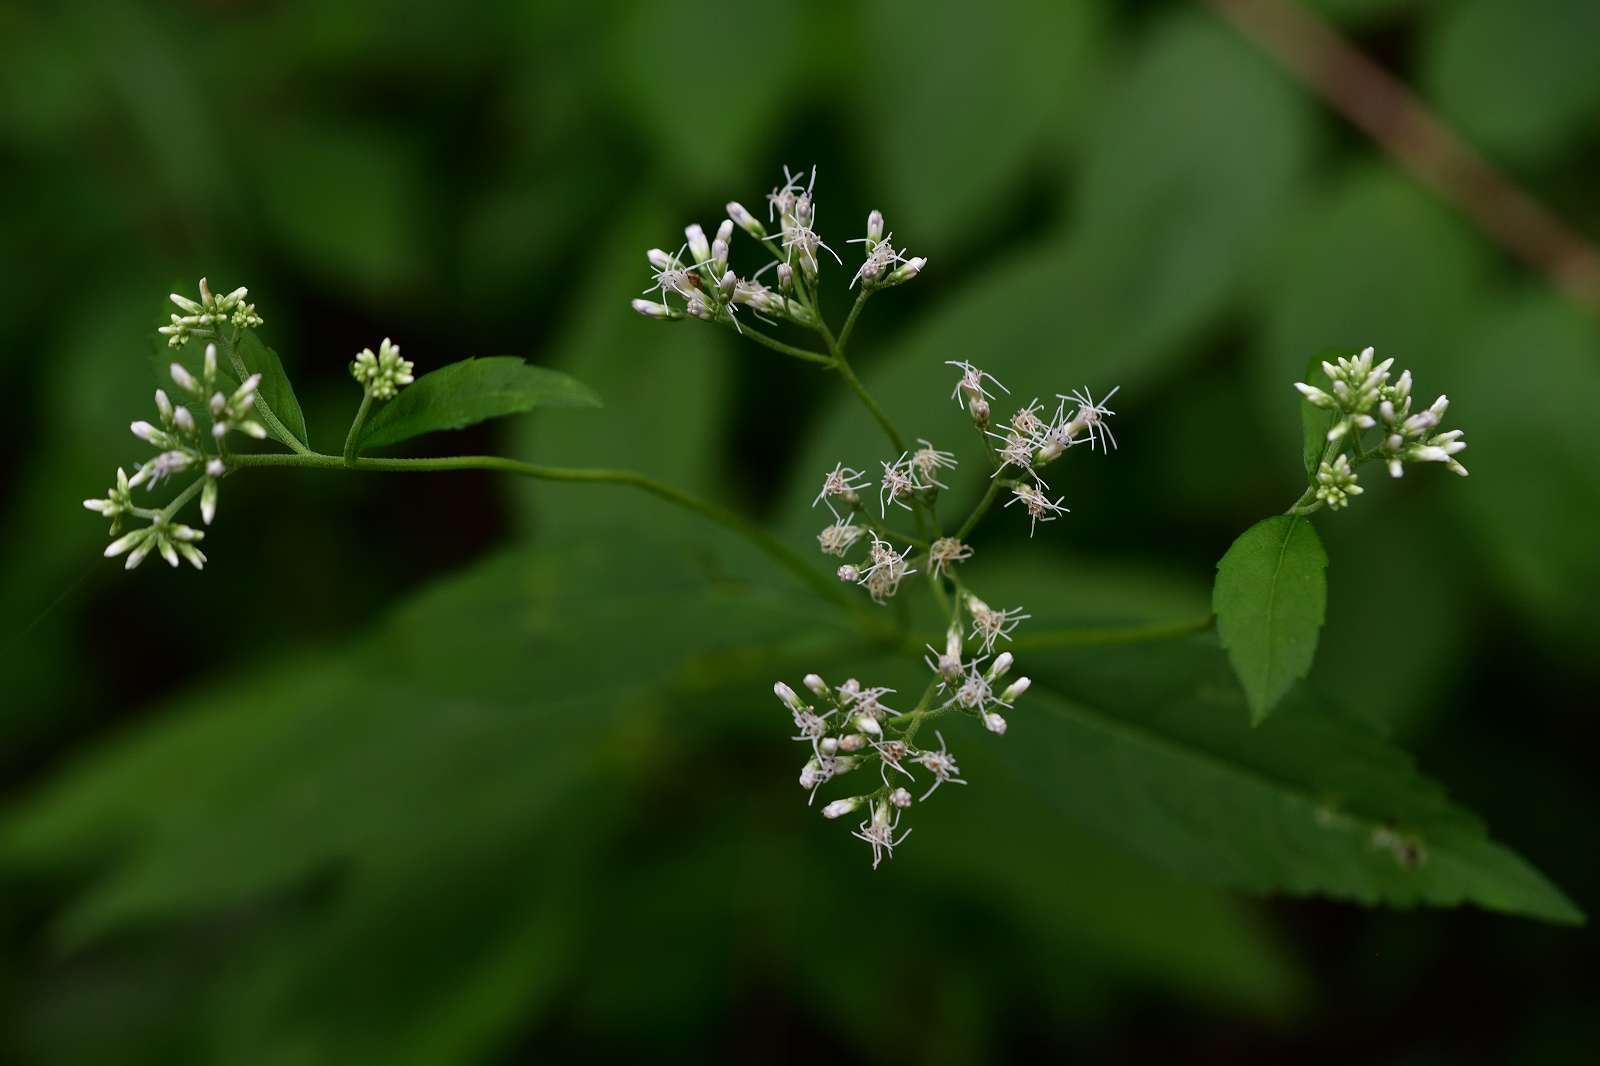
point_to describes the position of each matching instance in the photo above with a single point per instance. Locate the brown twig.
(1391, 114)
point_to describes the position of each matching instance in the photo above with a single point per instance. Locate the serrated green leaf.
(275, 389)
(472, 391)
(1149, 746)
(1269, 599)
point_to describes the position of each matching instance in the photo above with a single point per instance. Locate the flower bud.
(978, 408)
(719, 256)
(651, 309)
(209, 369)
(214, 468)
(911, 269)
(1016, 689)
(852, 742)
(995, 724)
(208, 498)
(745, 220)
(828, 745)
(815, 683)
(163, 405)
(787, 695)
(205, 294)
(785, 277)
(699, 247)
(868, 725)
(659, 259)
(724, 231)
(874, 228)
(848, 574)
(146, 432)
(900, 798)
(183, 379)
(840, 808)
(183, 419)
(1002, 663)
(729, 281)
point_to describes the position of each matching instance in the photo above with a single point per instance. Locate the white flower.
(969, 389)
(882, 579)
(926, 462)
(879, 831)
(989, 625)
(1040, 507)
(842, 483)
(947, 664)
(890, 755)
(899, 481)
(1087, 421)
(941, 764)
(118, 501)
(974, 693)
(945, 552)
(840, 537)
(900, 798)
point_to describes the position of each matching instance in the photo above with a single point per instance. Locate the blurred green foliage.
(469, 770)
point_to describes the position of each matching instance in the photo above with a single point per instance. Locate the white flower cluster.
(201, 317)
(850, 728)
(1361, 397)
(699, 276)
(383, 374)
(181, 445)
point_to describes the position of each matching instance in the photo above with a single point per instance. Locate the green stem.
(860, 390)
(772, 546)
(1102, 636)
(179, 500)
(995, 485)
(850, 322)
(787, 349)
(268, 417)
(355, 427)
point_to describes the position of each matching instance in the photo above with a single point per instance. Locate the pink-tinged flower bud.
(852, 742)
(848, 574)
(875, 227)
(745, 220)
(995, 724)
(828, 745)
(788, 696)
(841, 807)
(699, 247)
(1002, 663)
(785, 277)
(900, 798)
(146, 432)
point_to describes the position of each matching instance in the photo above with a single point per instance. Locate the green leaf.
(275, 389)
(472, 391)
(1149, 746)
(1269, 599)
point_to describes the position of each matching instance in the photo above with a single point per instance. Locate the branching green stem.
(786, 349)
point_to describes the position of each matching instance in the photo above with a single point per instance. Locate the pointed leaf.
(275, 390)
(472, 391)
(1269, 599)
(1149, 746)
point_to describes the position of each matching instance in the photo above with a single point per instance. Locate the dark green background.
(450, 769)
